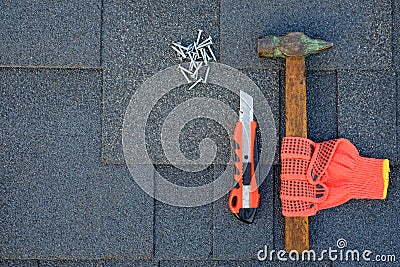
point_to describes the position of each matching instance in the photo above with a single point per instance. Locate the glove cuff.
(370, 179)
(385, 174)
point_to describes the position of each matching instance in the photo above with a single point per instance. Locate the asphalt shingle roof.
(58, 200)
(67, 73)
(47, 33)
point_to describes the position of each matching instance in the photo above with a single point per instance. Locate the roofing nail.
(204, 44)
(209, 39)
(190, 54)
(185, 70)
(197, 53)
(195, 73)
(198, 36)
(179, 51)
(191, 65)
(191, 61)
(180, 46)
(183, 53)
(206, 76)
(211, 52)
(184, 74)
(193, 85)
(195, 50)
(195, 56)
(203, 55)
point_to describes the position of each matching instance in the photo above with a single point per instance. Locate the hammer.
(294, 46)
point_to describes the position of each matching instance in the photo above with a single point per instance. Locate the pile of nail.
(198, 54)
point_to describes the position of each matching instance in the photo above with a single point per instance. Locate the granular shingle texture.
(134, 53)
(68, 71)
(321, 105)
(239, 263)
(360, 31)
(50, 33)
(366, 112)
(19, 263)
(56, 263)
(184, 232)
(58, 200)
(127, 263)
(322, 118)
(193, 131)
(268, 82)
(234, 239)
(363, 224)
(279, 220)
(398, 117)
(396, 34)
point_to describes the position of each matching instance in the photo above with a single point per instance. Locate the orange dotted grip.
(317, 176)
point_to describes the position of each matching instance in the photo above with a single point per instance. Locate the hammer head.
(294, 44)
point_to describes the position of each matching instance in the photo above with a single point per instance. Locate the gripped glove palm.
(318, 176)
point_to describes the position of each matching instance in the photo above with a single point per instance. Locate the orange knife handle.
(254, 194)
(235, 197)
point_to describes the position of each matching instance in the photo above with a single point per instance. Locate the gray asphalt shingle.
(396, 34)
(133, 53)
(321, 106)
(67, 201)
(234, 239)
(191, 263)
(19, 263)
(194, 130)
(363, 263)
(268, 82)
(128, 263)
(398, 117)
(243, 263)
(49, 33)
(209, 263)
(222, 102)
(58, 200)
(198, 128)
(181, 232)
(360, 31)
(366, 108)
(279, 220)
(364, 224)
(57, 263)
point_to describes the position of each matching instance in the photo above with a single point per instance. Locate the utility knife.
(244, 197)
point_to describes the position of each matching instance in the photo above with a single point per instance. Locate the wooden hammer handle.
(296, 228)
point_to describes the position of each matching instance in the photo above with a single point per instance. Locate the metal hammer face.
(294, 44)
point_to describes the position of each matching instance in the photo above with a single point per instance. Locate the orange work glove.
(318, 176)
